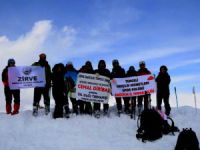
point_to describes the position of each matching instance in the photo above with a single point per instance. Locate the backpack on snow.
(151, 125)
(187, 140)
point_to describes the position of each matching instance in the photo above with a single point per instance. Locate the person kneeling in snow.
(9, 93)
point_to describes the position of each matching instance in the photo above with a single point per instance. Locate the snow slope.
(25, 132)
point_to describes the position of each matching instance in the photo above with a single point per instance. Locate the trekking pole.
(195, 99)
(176, 97)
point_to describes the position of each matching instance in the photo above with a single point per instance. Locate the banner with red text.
(92, 88)
(133, 86)
(26, 77)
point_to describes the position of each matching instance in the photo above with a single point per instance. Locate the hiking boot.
(16, 109)
(66, 111)
(8, 108)
(119, 112)
(105, 112)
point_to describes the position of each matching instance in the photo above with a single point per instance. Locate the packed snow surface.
(25, 132)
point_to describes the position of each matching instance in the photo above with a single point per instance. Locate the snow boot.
(35, 111)
(8, 108)
(119, 112)
(47, 109)
(97, 114)
(16, 109)
(66, 111)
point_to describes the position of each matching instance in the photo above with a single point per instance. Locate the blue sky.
(156, 31)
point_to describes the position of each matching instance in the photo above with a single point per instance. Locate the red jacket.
(143, 71)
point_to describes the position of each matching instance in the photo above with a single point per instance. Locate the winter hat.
(102, 62)
(11, 61)
(69, 63)
(131, 68)
(88, 63)
(142, 62)
(163, 67)
(115, 61)
(42, 56)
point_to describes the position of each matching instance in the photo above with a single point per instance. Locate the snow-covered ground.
(25, 132)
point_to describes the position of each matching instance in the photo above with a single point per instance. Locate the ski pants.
(38, 92)
(97, 106)
(165, 98)
(9, 94)
(60, 101)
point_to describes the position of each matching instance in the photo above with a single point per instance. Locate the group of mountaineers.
(62, 78)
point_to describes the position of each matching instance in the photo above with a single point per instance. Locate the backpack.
(187, 140)
(70, 84)
(151, 125)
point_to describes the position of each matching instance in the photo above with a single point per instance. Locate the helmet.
(142, 62)
(163, 67)
(11, 61)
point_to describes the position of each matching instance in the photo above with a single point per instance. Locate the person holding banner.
(58, 91)
(130, 73)
(70, 84)
(86, 107)
(102, 70)
(118, 72)
(39, 91)
(10, 93)
(163, 81)
(143, 71)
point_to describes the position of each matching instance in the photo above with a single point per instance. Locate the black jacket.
(103, 72)
(131, 73)
(163, 81)
(144, 71)
(118, 72)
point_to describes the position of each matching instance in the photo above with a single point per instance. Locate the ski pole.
(195, 99)
(176, 97)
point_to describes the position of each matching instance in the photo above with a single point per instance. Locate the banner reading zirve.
(26, 77)
(133, 86)
(92, 88)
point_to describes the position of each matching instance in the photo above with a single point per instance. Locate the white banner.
(92, 88)
(133, 86)
(26, 77)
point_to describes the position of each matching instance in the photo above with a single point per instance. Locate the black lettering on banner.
(131, 80)
(23, 78)
(126, 90)
(79, 94)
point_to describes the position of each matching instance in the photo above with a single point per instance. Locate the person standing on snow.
(130, 73)
(58, 90)
(118, 72)
(143, 71)
(86, 107)
(39, 91)
(70, 78)
(163, 81)
(102, 70)
(10, 93)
